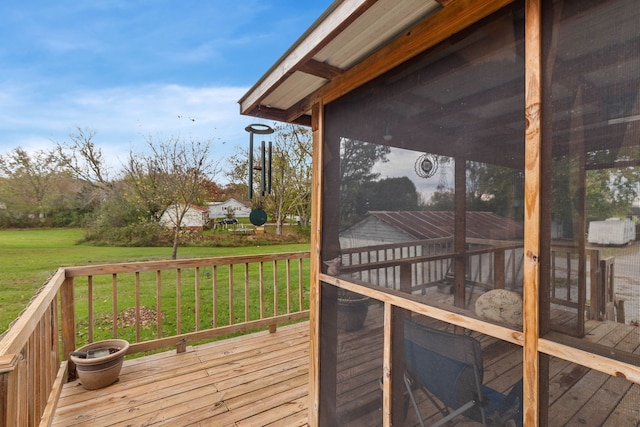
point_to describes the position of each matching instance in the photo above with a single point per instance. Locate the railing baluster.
(231, 311)
(197, 297)
(114, 304)
(261, 284)
(275, 287)
(214, 303)
(137, 306)
(159, 304)
(300, 290)
(90, 307)
(288, 272)
(246, 291)
(178, 301)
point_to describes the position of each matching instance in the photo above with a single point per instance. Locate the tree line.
(72, 184)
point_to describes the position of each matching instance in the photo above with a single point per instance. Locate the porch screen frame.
(536, 350)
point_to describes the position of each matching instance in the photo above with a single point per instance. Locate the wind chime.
(258, 216)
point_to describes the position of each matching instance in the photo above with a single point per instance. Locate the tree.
(290, 178)
(442, 199)
(172, 174)
(357, 159)
(488, 188)
(611, 192)
(291, 175)
(85, 161)
(388, 194)
(31, 183)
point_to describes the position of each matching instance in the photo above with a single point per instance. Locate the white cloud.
(123, 117)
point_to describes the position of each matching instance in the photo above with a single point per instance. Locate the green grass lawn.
(29, 257)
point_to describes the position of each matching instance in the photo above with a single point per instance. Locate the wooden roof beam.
(320, 69)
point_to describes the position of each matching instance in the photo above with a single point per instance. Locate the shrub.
(142, 233)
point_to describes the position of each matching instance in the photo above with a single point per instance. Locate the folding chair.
(448, 368)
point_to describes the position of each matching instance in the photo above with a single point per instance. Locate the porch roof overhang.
(348, 32)
(355, 41)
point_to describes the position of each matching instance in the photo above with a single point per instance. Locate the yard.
(29, 257)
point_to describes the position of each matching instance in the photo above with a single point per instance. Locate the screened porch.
(462, 148)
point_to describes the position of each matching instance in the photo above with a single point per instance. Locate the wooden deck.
(261, 379)
(258, 379)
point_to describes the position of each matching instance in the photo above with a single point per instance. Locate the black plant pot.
(352, 313)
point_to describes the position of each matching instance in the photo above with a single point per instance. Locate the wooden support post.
(532, 214)
(315, 263)
(460, 244)
(387, 365)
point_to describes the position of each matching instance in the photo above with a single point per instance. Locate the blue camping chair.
(448, 368)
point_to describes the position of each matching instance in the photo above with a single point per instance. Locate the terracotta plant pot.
(99, 363)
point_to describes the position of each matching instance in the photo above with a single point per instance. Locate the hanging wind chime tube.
(263, 159)
(270, 162)
(265, 185)
(250, 165)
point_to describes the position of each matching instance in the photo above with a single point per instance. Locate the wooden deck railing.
(153, 305)
(583, 284)
(427, 263)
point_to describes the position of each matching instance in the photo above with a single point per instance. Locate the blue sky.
(128, 69)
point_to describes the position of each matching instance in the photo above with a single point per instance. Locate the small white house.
(220, 209)
(194, 218)
(612, 231)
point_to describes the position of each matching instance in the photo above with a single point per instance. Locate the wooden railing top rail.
(386, 246)
(570, 246)
(426, 242)
(93, 270)
(494, 242)
(424, 258)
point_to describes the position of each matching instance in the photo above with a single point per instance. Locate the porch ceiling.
(349, 31)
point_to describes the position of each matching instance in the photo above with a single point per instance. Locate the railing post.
(406, 284)
(12, 410)
(597, 303)
(67, 306)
